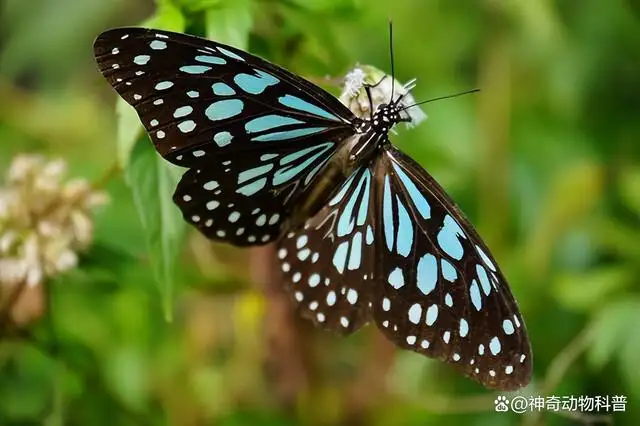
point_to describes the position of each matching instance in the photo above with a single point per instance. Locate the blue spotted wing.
(431, 284)
(252, 134)
(438, 290)
(328, 263)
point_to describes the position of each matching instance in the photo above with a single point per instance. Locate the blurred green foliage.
(545, 161)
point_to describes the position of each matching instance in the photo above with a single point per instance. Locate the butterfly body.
(369, 138)
(364, 233)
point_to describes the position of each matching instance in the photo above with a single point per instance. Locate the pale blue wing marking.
(404, 239)
(387, 214)
(356, 252)
(255, 85)
(289, 134)
(340, 256)
(302, 105)
(343, 190)
(253, 173)
(396, 278)
(414, 193)
(347, 222)
(270, 121)
(252, 188)
(222, 89)
(448, 271)
(208, 59)
(195, 69)
(427, 273)
(230, 54)
(287, 173)
(448, 238)
(222, 110)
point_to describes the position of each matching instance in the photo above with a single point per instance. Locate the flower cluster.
(44, 220)
(355, 97)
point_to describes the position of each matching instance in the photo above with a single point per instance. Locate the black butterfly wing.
(221, 111)
(246, 199)
(439, 291)
(328, 263)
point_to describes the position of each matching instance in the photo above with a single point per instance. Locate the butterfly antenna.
(466, 92)
(393, 74)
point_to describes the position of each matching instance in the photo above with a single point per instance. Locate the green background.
(544, 161)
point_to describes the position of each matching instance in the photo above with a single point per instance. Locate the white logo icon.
(502, 403)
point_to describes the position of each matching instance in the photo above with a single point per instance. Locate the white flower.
(353, 82)
(12, 271)
(79, 190)
(66, 260)
(44, 221)
(81, 227)
(4, 207)
(355, 97)
(22, 168)
(7, 241)
(49, 176)
(76, 188)
(33, 261)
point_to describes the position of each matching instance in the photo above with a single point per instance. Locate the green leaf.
(194, 6)
(126, 373)
(230, 23)
(630, 188)
(129, 131)
(168, 17)
(611, 330)
(25, 389)
(628, 359)
(587, 290)
(565, 207)
(325, 5)
(618, 238)
(152, 181)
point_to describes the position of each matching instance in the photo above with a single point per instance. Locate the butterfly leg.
(373, 86)
(367, 89)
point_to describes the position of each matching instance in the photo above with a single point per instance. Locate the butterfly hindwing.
(246, 199)
(328, 263)
(439, 291)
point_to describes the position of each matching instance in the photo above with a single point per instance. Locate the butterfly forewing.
(252, 133)
(438, 290)
(190, 92)
(328, 263)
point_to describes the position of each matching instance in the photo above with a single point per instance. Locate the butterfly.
(364, 233)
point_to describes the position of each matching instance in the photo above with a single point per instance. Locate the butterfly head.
(387, 116)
